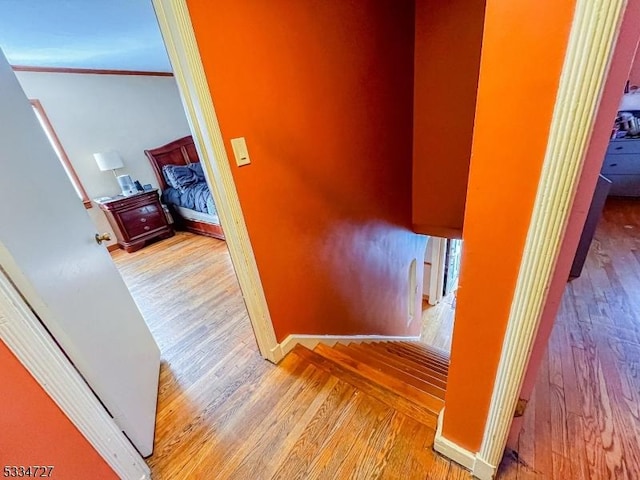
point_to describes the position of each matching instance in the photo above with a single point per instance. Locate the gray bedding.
(195, 197)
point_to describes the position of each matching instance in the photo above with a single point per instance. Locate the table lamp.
(110, 160)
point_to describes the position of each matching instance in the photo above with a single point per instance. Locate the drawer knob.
(143, 219)
(147, 227)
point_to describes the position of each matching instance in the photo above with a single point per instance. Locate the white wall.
(95, 113)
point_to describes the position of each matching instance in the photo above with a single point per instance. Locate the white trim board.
(179, 37)
(438, 263)
(311, 341)
(471, 461)
(22, 332)
(591, 44)
(32, 345)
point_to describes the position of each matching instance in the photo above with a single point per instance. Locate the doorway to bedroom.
(167, 245)
(89, 113)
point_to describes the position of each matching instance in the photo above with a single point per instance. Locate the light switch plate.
(240, 151)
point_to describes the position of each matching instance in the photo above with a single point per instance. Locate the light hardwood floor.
(583, 420)
(437, 323)
(225, 413)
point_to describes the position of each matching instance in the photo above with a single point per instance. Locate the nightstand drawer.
(139, 221)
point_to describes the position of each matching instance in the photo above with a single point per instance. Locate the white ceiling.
(96, 34)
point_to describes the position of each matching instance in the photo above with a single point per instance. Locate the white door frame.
(179, 38)
(593, 36)
(38, 352)
(33, 346)
(436, 280)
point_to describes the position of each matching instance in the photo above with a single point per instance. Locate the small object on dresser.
(126, 185)
(147, 187)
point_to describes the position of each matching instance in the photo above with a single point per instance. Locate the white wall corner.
(311, 341)
(478, 467)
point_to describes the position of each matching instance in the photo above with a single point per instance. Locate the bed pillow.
(197, 169)
(180, 177)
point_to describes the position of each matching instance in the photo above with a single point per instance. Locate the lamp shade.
(110, 160)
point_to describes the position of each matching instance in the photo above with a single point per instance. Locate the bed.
(184, 190)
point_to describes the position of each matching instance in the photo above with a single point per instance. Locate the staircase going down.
(407, 376)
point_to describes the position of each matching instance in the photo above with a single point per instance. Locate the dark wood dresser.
(137, 219)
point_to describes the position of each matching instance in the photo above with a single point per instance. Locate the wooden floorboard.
(411, 453)
(583, 421)
(375, 390)
(336, 410)
(437, 323)
(225, 413)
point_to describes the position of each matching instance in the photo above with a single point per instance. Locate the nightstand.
(137, 219)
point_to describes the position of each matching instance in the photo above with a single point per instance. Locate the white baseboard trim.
(311, 341)
(478, 467)
(484, 470)
(276, 354)
(450, 450)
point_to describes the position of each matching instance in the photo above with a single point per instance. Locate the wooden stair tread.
(390, 365)
(427, 350)
(403, 365)
(418, 359)
(438, 352)
(424, 415)
(420, 354)
(381, 378)
(411, 361)
(383, 349)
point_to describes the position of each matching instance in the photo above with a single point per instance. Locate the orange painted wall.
(516, 97)
(594, 156)
(323, 93)
(34, 431)
(447, 63)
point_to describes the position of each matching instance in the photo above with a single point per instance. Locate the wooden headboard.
(179, 152)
